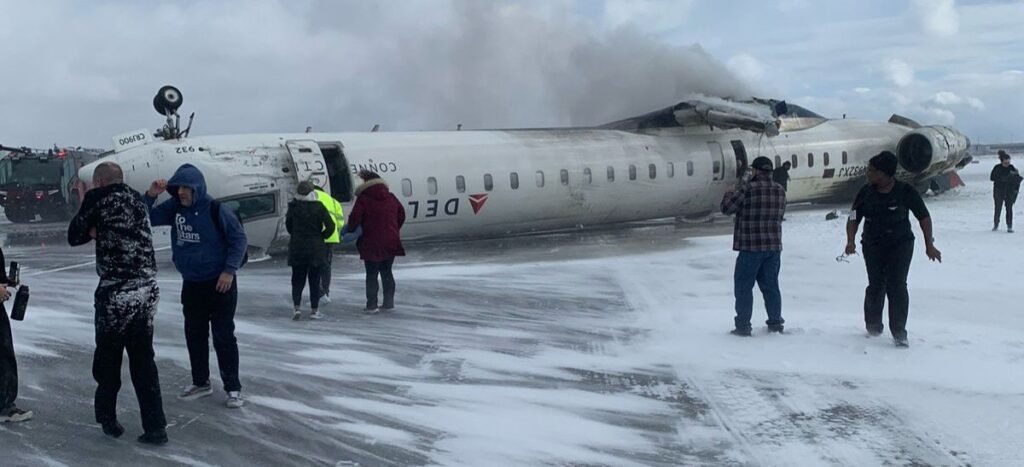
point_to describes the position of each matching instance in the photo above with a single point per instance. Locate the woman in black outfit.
(309, 224)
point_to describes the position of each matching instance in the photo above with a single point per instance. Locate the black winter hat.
(762, 163)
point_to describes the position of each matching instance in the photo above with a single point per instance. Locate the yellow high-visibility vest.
(337, 214)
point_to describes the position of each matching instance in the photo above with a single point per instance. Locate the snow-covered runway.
(606, 348)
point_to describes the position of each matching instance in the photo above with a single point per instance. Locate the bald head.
(107, 173)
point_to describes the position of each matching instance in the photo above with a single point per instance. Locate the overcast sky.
(77, 73)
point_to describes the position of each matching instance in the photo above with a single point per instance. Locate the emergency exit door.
(309, 163)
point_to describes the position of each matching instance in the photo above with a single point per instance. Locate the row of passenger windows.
(563, 175)
(652, 173)
(825, 159)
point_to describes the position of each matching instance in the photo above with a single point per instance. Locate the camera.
(21, 297)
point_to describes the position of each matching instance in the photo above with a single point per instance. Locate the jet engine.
(932, 150)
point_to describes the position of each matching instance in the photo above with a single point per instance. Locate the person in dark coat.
(885, 205)
(781, 175)
(309, 225)
(380, 215)
(1005, 186)
(114, 215)
(9, 412)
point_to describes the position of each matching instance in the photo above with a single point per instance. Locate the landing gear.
(168, 98)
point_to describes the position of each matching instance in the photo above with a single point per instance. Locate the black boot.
(155, 438)
(113, 429)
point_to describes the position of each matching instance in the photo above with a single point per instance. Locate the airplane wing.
(757, 115)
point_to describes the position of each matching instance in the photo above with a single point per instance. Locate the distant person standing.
(207, 247)
(9, 412)
(781, 175)
(308, 224)
(126, 299)
(338, 216)
(884, 204)
(380, 215)
(759, 206)
(1005, 186)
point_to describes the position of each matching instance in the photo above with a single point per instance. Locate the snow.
(607, 349)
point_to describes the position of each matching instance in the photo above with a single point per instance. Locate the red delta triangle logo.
(477, 202)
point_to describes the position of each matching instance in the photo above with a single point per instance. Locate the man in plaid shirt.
(759, 206)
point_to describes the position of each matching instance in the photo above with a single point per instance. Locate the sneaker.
(388, 306)
(13, 414)
(315, 315)
(325, 299)
(296, 315)
(1009, 230)
(995, 227)
(193, 392)
(113, 429)
(875, 332)
(370, 311)
(234, 400)
(740, 332)
(156, 438)
(775, 328)
(901, 341)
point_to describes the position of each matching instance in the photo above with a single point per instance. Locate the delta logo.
(477, 202)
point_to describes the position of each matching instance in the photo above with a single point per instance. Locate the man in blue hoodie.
(207, 256)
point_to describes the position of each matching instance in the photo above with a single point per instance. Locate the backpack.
(215, 215)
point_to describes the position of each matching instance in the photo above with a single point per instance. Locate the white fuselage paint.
(245, 165)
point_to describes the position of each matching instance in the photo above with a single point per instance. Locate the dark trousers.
(382, 269)
(888, 266)
(763, 268)
(1004, 197)
(208, 310)
(8, 365)
(124, 322)
(325, 272)
(300, 275)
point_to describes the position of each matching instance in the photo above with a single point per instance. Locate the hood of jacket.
(189, 176)
(376, 188)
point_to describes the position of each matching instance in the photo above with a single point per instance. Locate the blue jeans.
(761, 267)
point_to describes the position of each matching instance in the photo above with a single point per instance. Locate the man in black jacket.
(114, 215)
(1005, 185)
(8, 365)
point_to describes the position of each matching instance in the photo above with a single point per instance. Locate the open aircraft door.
(309, 163)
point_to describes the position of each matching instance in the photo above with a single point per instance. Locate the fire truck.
(42, 183)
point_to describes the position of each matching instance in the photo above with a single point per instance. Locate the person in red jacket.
(381, 215)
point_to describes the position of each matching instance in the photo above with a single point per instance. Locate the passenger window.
(795, 161)
(810, 160)
(540, 179)
(671, 170)
(717, 167)
(844, 158)
(565, 177)
(432, 185)
(611, 174)
(652, 171)
(587, 178)
(632, 172)
(689, 168)
(488, 182)
(778, 161)
(406, 187)
(460, 184)
(513, 180)
(824, 159)
(250, 207)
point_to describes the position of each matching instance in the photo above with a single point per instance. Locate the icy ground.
(593, 349)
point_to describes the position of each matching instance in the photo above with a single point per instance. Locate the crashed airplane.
(674, 162)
